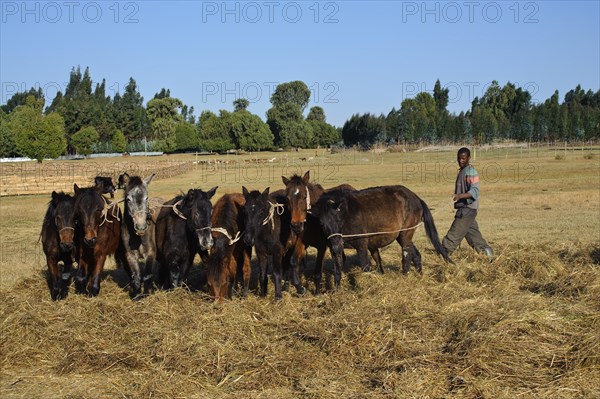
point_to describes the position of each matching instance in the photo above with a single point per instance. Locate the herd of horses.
(156, 241)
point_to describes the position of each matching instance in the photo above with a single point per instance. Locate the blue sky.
(356, 56)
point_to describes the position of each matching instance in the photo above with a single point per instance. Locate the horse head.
(104, 185)
(197, 208)
(63, 217)
(89, 210)
(256, 213)
(330, 210)
(298, 195)
(136, 201)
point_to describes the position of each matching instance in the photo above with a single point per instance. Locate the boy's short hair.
(464, 150)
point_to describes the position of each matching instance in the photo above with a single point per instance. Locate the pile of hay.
(526, 325)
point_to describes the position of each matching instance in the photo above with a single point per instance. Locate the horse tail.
(432, 233)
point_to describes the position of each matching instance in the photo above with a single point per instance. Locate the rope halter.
(232, 240)
(279, 208)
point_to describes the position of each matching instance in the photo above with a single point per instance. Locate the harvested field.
(522, 326)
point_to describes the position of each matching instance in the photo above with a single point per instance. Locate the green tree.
(36, 135)
(8, 148)
(185, 137)
(316, 114)
(212, 132)
(296, 92)
(364, 130)
(247, 131)
(119, 142)
(163, 114)
(289, 127)
(84, 139)
(241, 104)
(130, 114)
(20, 99)
(323, 133)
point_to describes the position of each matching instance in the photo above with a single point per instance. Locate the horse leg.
(66, 276)
(416, 258)
(296, 256)
(94, 281)
(148, 273)
(82, 274)
(377, 258)
(405, 241)
(318, 273)
(363, 257)
(277, 271)
(262, 261)
(53, 278)
(247, 270)
(134, 273)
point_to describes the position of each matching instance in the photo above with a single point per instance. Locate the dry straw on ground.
(525, 325)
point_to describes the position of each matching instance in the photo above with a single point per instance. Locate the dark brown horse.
(229, 257)
(97, 231)
(267, 229)
(138, 244)
(183, 229)
(58, 230)
(373, 218)
(302, 195)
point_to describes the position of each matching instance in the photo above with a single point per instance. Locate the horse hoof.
(300, 290)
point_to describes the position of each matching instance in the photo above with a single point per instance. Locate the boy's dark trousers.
(465, 226)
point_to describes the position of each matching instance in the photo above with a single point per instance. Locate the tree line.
(84, 120)
(502, 113)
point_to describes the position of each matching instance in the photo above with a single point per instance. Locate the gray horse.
(138, 244)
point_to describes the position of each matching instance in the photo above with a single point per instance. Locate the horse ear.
(76, 188)
(245, 192)
(125, 179)
(212, 192)
(148, 179)
(285, 180)
(54, 197)
(306, 177)
(266, 192)
(97, 180)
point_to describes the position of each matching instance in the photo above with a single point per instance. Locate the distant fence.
(19, 178)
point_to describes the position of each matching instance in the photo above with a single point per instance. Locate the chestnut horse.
(373, 218)
(183, 229)
(97, 230)
(138, 245)
(229, 257)
(57, 235)
(302, 195)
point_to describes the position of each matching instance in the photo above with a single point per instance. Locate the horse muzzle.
(205, 243)
(297, 227)
(66, 246)
(90, 243)
(141, 230)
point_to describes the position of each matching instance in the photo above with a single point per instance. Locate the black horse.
(105, 185)
(268, 230)
(183, 229)
(138, 245)
(373, 218)
(57, 235)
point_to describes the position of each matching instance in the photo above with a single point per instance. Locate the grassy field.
(525, 325)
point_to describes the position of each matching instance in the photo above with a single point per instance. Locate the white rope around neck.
(280, 209)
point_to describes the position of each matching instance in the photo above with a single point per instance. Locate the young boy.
(466, 196)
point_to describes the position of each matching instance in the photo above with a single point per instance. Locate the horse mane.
(298, 180)
(226, 212)
(134, 181)
(52, 205)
